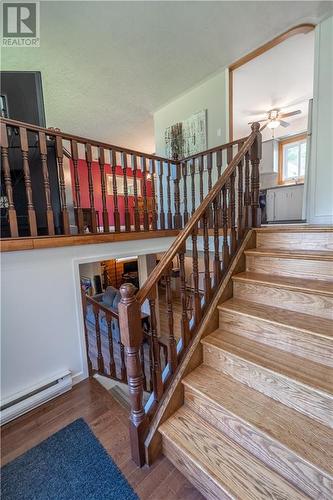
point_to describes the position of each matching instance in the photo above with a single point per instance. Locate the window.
(292, 157)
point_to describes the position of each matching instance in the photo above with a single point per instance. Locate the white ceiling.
(281, 78)
(106, 66)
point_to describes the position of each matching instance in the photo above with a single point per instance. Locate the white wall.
(320, 178)
(41, 321)
(210, 95)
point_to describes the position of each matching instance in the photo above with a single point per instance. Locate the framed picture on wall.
(120, 185)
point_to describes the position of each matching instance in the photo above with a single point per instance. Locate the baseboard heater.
(35, 396)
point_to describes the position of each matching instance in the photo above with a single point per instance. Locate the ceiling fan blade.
(291, 113)
(263, 120)
(263, 127)
(284, 124)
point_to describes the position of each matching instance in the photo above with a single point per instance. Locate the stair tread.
(291, 254)
(300, 321)
(291, 283)
(293, 228)
(314, 375)
(231, 467)
(307, 438)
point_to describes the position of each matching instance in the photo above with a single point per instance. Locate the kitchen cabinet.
(284, 203)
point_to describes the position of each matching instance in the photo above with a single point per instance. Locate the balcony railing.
(54, 183)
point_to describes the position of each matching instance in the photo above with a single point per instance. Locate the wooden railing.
(220, 223)
(54, 183)
(105, 351)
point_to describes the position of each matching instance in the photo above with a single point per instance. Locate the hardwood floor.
(108, 421)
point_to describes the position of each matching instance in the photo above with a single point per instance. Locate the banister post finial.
(131, 338)
(255, 127)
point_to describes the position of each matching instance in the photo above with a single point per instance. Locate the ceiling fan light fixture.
(273, 124)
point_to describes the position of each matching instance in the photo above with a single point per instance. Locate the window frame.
(290, 140)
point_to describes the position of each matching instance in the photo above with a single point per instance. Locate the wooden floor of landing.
(108, 420)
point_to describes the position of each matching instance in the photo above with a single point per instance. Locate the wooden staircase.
(258, 413)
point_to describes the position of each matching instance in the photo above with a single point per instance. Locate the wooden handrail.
(103, 308)
(215, 149)
(81, 140)
(165, 261)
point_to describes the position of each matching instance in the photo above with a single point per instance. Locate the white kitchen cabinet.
(284, 203)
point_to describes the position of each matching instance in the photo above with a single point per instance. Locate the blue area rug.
(70, 465)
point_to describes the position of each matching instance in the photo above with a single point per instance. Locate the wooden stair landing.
(257, 418)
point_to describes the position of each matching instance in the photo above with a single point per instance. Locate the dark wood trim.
(296, 30)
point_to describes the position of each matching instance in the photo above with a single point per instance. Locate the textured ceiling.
(107, 66)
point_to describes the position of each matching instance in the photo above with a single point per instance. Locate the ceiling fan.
(274, 118)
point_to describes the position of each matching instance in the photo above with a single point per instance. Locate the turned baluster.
(116, 214)
(105, 214)
(255, 160)
(240, 217)
(100, 360)
(127, 213)
(142, 359)
(131, 337)
(233, 235)
(151, 364)
(157, 374)
(195, 264)
(172, 346)
(135, 190)
(169, 215)
(225, 245)
(206, 257)
(201, 186)
(193, 185)
(144, 194)
(247, 196)
(217, 263)
(62, 184)
(46, 183)
(91, 189)
(123, 374)
(176, 179)
(185, 331)
(219, 173)
(112, 365)
(184, 173)
(209, 172)
(84, 310)
(160, 176)
(201, 171)
(77, 197)
(27, 181)
(153, 193)
(8, 183)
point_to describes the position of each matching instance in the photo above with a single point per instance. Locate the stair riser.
(296, 241)
(298, 268)
(295, 469)
(312, 347)
(199, 478)
(293, 300)
(307, 400)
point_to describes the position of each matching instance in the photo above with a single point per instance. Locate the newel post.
(131, 338)
(255, 182)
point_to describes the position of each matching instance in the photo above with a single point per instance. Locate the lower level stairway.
(258, 413)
